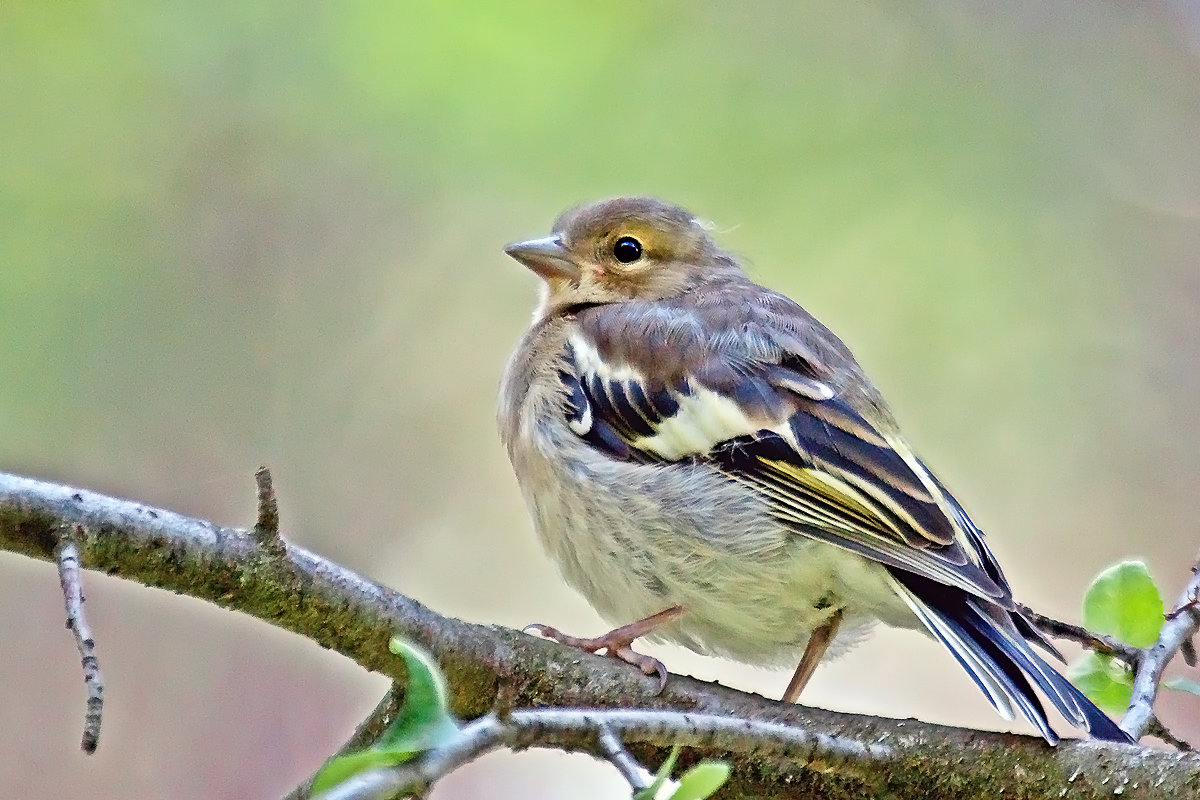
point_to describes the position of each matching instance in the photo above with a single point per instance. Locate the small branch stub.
(266, 526)
(1156, 728)
(67, 554)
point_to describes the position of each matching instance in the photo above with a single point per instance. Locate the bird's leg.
(818, 643)
(618, 643)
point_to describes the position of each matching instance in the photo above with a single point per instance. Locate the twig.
(67, 554)
(574, 729)
(1156, 728)
(1187, 651)
(1180, 626)
(634, 773)
(1092, 641)
(266, 526)
(365, 734)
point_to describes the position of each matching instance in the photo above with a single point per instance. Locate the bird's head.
(626, 248)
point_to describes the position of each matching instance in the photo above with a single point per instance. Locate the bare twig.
(371, 728)
(341, 610)
(1099, 643)
(574, 729)
(67, 554)
(634, 773)
(1156, 728)
(1180, 626)
(266, 526)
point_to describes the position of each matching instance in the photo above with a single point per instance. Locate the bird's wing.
(749, 395)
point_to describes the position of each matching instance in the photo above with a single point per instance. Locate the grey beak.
(546, 256)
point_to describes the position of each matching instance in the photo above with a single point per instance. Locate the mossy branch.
(299, 591)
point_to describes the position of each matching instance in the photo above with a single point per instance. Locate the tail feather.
(1001, 682)
(992, 568)
(1070, 702)
(994, 653)
(1034, 634)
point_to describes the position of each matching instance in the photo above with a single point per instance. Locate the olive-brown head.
(626, 248)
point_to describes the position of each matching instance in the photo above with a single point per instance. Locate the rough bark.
(336, 608)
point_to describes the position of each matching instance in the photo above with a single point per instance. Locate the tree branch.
(341, 610)
(586, 731)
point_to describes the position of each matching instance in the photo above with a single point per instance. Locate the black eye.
(627, 249)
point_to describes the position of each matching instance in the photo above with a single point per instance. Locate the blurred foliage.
(233, 233)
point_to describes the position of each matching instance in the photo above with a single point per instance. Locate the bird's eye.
(627, 249)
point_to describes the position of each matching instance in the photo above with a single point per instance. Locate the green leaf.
(341, 768)
(661, 777)
(702, 780)
(1182, 685)
(1105, 681)
(424, 722)
(1124, 602)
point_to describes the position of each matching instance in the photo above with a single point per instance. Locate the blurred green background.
(239, 233)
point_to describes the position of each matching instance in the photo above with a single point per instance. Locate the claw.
(554, 634)
(618, 643)
(647, 664)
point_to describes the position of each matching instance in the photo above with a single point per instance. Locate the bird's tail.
(986, 641)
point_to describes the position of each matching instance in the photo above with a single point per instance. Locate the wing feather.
(766, 419)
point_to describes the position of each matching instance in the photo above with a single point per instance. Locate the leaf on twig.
(1124, 602)
(1105, 681)
(702, 780)
(698, 783)
(424, 722)
(660, 778)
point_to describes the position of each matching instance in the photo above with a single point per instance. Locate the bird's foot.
(618, 643)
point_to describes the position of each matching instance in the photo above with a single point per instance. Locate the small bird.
(709, 465)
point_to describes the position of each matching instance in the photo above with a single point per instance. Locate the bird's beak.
(547, 257)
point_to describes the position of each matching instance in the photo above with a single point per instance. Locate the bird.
(710, 466)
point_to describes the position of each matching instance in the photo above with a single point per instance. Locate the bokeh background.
(234, 233)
